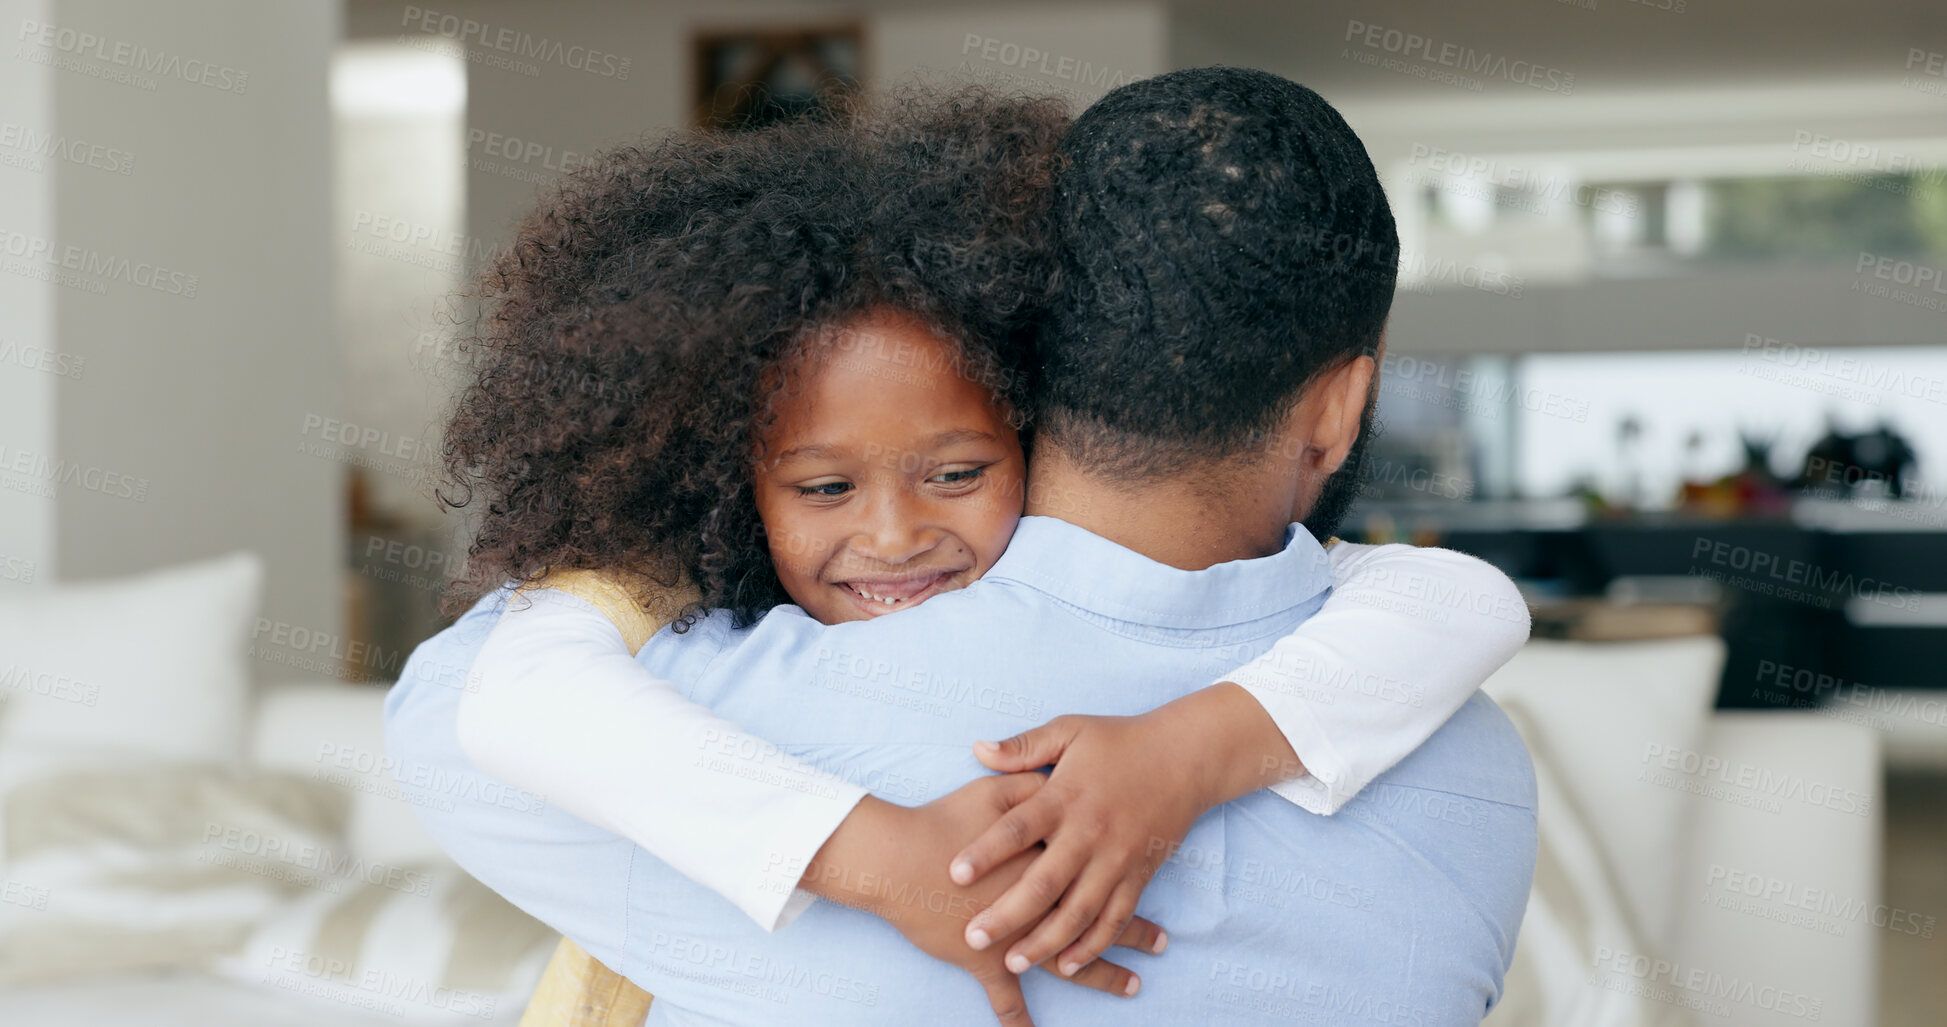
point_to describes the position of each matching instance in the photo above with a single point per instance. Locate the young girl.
(735, 372)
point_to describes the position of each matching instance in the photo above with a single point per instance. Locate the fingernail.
(1068, 969)
(987, 746)
(1162, 942)
(1018, 963)
(962, 871)
(978, 939)
(1135, 984)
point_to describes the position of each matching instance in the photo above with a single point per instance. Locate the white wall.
(30, 361)
(199, 288)
(558, 111)
(1078, 51)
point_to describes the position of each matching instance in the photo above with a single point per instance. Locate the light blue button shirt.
(1401, 910)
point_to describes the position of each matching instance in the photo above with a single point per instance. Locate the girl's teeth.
(888, 600)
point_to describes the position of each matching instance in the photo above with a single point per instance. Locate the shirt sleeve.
(558, 706)
(1405, 638)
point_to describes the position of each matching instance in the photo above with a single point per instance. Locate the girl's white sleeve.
(1405, 638)
(558, 706)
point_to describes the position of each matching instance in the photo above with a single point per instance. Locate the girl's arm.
(557, 705)
(1405, 638)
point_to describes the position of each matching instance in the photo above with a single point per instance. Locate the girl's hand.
(890, 860)
(1123, 793)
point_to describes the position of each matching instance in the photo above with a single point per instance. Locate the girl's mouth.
(876, 597)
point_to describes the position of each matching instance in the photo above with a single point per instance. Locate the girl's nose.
(897, 533)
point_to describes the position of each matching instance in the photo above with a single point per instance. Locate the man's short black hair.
(1223, 239)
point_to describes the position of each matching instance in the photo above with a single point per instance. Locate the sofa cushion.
(1576, 914)
(164, 865)
(334, 732)
(421, 944)
(1608, 716)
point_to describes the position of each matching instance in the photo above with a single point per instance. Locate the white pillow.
(1603, 714)
(425, 944)
(130, 670)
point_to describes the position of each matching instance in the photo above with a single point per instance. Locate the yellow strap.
(611, 593)
(578, 991)
(607, 593)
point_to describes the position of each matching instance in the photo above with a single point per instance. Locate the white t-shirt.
(558, 706)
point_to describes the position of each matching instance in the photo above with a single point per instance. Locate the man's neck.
(1187, 522)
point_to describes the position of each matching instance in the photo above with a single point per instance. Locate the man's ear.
(1327, 417)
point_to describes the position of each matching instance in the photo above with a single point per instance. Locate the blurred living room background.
(1670, 349)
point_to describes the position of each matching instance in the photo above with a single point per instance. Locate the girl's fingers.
(1105, 976)
(1027, 899)
(1143, 935)
(1017, 830)
(1079, 910)
(1004, 995)
(1029, 750)
(1116, 921)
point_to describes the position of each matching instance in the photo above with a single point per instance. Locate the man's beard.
(1344, 485)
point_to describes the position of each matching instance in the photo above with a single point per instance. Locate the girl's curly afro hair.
(626, 342)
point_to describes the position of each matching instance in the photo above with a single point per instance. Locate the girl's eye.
(962, 478)
(827, 490)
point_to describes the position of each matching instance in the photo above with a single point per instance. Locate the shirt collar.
(1082, 568)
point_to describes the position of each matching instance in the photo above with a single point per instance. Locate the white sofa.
(315, 728)
(1744, 847)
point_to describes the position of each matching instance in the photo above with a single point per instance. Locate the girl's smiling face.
(885, 477)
